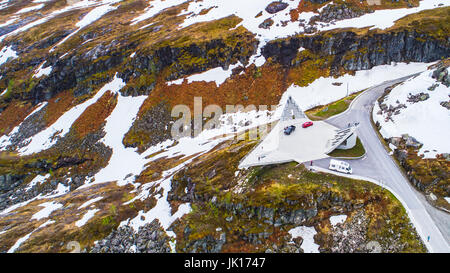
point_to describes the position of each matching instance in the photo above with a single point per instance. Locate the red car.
(307, 124)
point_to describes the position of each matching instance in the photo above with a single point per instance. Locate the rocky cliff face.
(215, 53)
(337, 12)
(92, 68)
(355, 52)
(150, 238)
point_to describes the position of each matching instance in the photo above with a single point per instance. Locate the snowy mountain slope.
(61, 61)
(413, 118)
(424, 118)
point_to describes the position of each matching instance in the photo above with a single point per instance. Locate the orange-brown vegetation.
(13, 115)
(94, 116)
(257, 86)
(57, 106)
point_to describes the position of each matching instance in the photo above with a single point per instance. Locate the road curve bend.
(431, 224)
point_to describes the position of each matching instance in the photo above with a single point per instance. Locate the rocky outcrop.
(10, 28)
(214, 53)
(28, 128)
(72, 72)
(406, 156)
(337, 12)
(319, 2)
(89, 149)
(10, 181)
(354, 52)
(350, 237)
(441, 75)
(445, 104)
(402, 156)
(153, 123)
(19, 194)
(266, 24)
(84, 71)
(418, 97)
(390, 110)
(150, 238)
(49, 41)
(207, 244)
(293, 213)
(276, 6)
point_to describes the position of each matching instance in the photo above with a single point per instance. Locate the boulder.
(275, 7)
(266, 24)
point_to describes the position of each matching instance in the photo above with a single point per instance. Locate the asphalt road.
(378, 165)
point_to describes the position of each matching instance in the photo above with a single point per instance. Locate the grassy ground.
(356, 151)
(325, 111)
(434, 22)
(284, 187)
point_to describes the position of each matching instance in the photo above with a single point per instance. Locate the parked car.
(340, 166)
(307, 124)
(289, 129)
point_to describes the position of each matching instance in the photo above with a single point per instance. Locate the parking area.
(301, 145)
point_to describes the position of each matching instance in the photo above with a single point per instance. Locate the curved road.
(378, 165)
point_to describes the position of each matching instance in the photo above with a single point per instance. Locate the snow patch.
(248, 11)
(14, 207)
(307, 234)
(19, 242)
(60, 190)
(96, 14)
(28, 9)
(9, 22)
(217, 75)
(162, 209)
(383, 19)
(338, 219)
(39, 179)
(47, 138)
(392, 147)
(49, 207)
(427, 120)
(5, 140)
(88, 19)
(4, 4)
(26, 237)
(86, 217)
(322, 91)
(42, 71)
(77, 5)
(6, 53)
(156, 7)
(90, 202)
(124, 162)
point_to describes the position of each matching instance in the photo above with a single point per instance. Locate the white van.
(340, 166)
